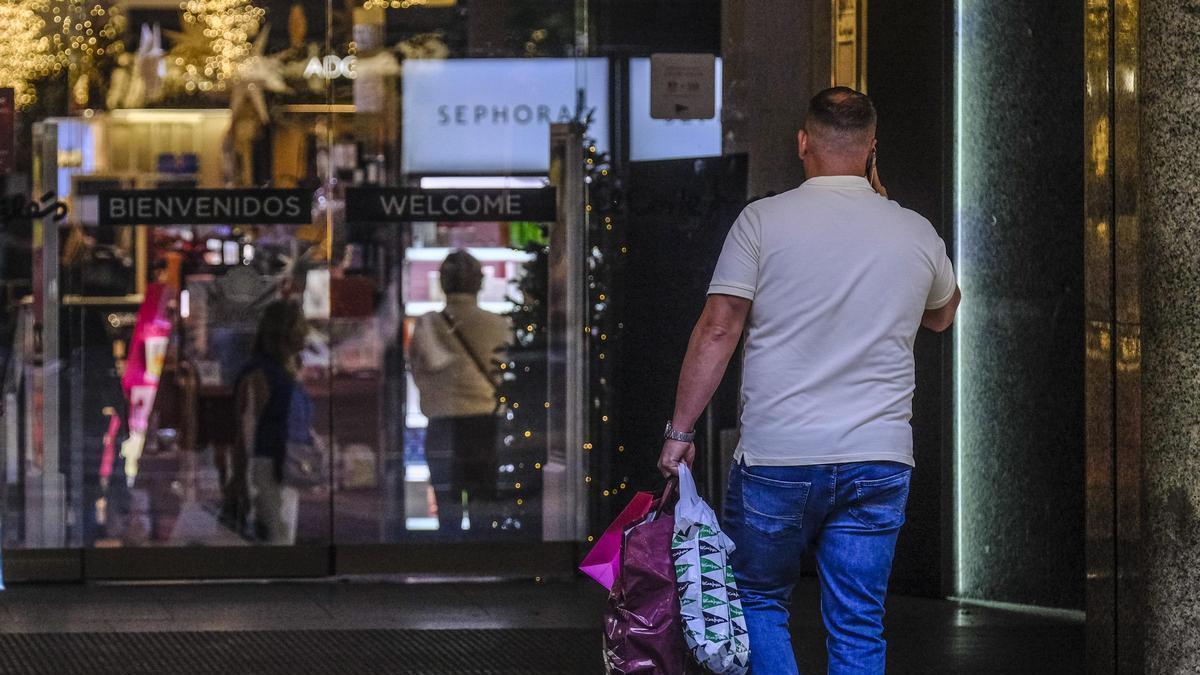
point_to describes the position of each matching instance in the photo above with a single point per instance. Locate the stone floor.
(925, 636)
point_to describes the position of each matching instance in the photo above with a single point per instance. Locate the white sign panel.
(493, 116)
(681, 86)
(651, 139)
(332, 67)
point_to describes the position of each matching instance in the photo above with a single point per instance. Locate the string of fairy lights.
(407, 4)
(523, 390)
(606, 251)
(45, 38)
(228, 28)
(25, 50)
(85, 31)
(83, 38)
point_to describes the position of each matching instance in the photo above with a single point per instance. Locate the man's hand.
(673, 453)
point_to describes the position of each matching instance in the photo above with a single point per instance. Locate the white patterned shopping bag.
(711, 609)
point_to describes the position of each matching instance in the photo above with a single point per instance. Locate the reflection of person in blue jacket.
(272, 409)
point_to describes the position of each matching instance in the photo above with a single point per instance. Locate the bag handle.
(687, 485)
(617, 592)
(671, 487)
(462, 341)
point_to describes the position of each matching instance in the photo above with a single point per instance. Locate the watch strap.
(674, 434)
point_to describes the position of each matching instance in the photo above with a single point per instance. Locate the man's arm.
(713, 340)
(938, 320)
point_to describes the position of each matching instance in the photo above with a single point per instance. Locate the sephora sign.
(493, 116)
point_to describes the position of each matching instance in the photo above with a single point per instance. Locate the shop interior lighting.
(483, 182)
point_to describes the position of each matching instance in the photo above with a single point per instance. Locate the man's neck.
(817, 166)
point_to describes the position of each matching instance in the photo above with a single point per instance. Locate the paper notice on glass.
(683, 86)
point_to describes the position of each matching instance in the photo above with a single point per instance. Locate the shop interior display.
(161, 322)
(187, 300)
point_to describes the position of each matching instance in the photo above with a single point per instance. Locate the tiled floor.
(925, 636)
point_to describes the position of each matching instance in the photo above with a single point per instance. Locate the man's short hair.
(843, 113)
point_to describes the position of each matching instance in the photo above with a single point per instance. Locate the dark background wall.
(648, 26)
(680, 212)
(908, 56)
(1021, 437)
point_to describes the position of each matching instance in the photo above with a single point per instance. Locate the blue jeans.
(849, 515)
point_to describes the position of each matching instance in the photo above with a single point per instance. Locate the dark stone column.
(776, 57)
(1020, 447)
(1170, 203)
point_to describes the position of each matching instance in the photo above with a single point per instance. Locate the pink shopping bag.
(603, 561)
(643, 629)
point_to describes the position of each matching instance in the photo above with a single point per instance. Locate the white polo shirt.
(840, 277)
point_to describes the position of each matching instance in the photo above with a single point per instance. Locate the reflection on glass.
(197, 424)
(173, 403)
(275, 438)
(424, 321)
(454, 355)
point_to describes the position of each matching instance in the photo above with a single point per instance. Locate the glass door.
(432, 383)
(213, 392)
(171, 374)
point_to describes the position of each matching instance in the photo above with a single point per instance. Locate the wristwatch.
(675, 435)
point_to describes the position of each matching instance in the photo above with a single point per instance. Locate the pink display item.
(152, 321)
(110, 446)
(139, 384)
(603, 561)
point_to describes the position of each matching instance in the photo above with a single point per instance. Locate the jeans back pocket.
(880, 502)
(773, 506)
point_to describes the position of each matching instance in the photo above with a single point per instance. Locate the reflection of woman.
(452, 353)
(266, 398)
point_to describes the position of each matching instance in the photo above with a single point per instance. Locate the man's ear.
(802, 143)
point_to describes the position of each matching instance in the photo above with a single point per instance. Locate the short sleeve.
(737, 268)
(944, 283)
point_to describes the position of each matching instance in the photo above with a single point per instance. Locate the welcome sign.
(206, 207)
(493, 116)
(366, 205)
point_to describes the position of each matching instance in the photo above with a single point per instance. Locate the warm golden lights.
(407, 4)
(1099, 155)
(228, 28)
(25, 53)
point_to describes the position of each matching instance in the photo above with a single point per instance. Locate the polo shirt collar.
(842, 182)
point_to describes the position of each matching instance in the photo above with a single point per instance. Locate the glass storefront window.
(241, 382)
(308, 278)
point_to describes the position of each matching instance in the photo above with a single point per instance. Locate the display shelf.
(102, 300)
(490, 254)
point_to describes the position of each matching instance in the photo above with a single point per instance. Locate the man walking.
(830, 282)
